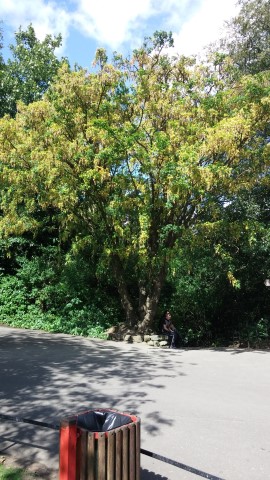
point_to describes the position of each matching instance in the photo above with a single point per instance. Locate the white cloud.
(109, 21)
(205, 26)
(47, 18)
(113, 22)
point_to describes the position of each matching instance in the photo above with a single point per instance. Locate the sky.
(117, 25)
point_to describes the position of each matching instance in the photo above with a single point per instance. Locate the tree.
(248, 40)
(27, 75)
(131, 157)
(217, 280)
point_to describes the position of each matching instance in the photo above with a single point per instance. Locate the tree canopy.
(133, 158)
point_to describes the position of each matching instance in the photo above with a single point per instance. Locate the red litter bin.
(100, 444)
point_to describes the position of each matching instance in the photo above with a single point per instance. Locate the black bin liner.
(102, 420)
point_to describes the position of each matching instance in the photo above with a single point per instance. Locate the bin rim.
(73, 419)
(112, 410)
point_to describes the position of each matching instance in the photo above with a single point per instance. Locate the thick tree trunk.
(141, 316)
(125, 297)
(150, 300)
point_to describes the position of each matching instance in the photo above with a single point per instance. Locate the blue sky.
(117, 25)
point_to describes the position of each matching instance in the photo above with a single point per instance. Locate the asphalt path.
(209, 409)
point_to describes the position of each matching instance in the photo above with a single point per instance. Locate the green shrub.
(50, 295)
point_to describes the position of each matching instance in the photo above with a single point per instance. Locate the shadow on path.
(147, 475)
(46, 377)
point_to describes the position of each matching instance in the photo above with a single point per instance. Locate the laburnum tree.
(132, 157)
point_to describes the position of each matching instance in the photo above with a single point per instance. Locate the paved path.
(209, 409)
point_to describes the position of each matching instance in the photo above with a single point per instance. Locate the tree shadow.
(238, 350)
(47, 377)
(147, 475)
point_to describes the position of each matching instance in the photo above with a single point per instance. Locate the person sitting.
(169, 329)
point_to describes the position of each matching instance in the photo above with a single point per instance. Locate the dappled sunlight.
(194, 404)
(47, 377)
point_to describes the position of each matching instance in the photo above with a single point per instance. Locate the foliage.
(199, 276)
(42, 296)
(248, 39)
(254, 334)
(217, 289)
(133, 157)
(27, 75)
(147, 175)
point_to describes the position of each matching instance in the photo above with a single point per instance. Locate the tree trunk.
(125, 297)
(148, 308)
(144, 316)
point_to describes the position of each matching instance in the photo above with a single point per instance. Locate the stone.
(137, 338)
(156, 337)
(117, 337)
(147, 338)
(163, 343)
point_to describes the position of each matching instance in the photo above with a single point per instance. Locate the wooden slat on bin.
(111, 456)
(91, 456)
(118, 455)
(83, 454)
(125, 455)
(138, 447)
(132, 452)
(67, 447)
(101, 457)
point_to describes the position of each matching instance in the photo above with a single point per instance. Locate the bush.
(50, 295)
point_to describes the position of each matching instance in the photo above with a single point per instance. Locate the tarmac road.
(209, 409)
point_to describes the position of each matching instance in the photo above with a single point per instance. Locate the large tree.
(132, 156)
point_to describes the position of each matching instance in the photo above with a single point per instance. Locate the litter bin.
(100, 444)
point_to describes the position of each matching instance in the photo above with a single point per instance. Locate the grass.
(11, 473)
